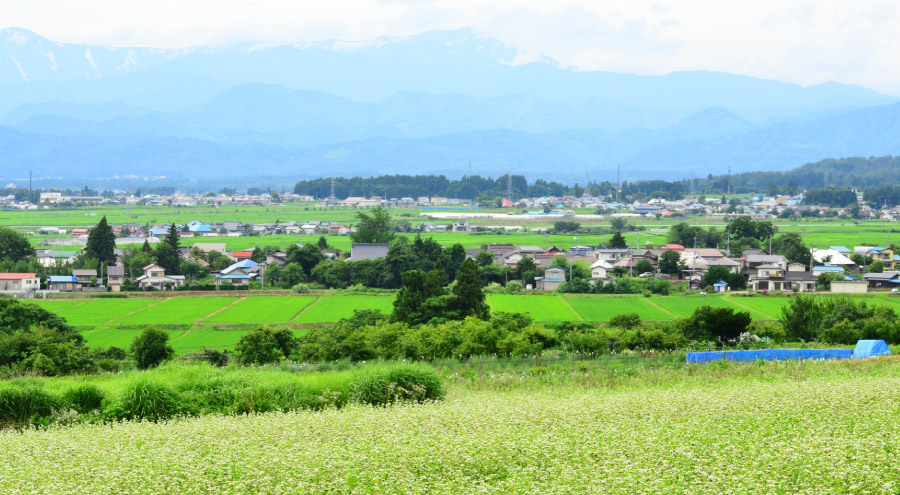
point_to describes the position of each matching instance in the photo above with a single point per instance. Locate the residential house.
(19, 283)
(63, 283)
(832, 256)
(600, 270)
(368, 251)
(720, 286)
(208, 247)
(581, 251)
(51, 257)
(730, 264)
(115, 275)
(85, 276)
(278, 258)
(242, 255)
(611, 254)
(886, 280)
(552, 279)
(753, 261)
(155, 277)
(239, 273)
(883, 254)
(820, 269)
(800, 280)
(500, 251)
(708, 254)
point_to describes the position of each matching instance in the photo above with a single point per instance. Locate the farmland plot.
(117, 338)
(604, 308)
(262, 309)
(55, 306)
(99, 311)
(540, 308)
(334, 308)
(179, 310)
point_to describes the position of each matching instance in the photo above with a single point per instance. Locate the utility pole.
(618, 181)
(509, 186)
(729, 179)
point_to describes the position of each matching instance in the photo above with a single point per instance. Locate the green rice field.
(541, 308)
(334, 308)
(602, 309)
(262, 309)
(178, 310)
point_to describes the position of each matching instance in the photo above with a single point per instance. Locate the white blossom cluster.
(835, 433)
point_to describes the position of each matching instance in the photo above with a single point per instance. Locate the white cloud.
(806, 42)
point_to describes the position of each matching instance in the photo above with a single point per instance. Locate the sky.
(805, 42)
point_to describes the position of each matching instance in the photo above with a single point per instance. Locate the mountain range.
(435, 102)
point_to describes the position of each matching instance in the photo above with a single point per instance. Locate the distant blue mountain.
(426, 103)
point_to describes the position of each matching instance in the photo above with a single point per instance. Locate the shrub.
(145, 399)
(151, 348)
(842, 332)
(300, 289)
(263, 346)
(84, 398)
(587, 341)
(709, 323)
(627, 320)
(515, 287)
(381, 386)
(25, 405)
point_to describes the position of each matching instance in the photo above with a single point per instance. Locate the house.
(239, 273)
(530, 250)
(242, 255)
(552, 279)
(278, 258)
(611, 254)
(84, 277)
(883, 254)
(720, 286)
(768, 276)
(600, 270)
(832, 256)
(671, 247)
(368, 251)
(753, 261)
(51, 257)
(580, 250)
(708, 254)
(155, 277)
(820, 269)
(208, 247)
(499, 251)
(63, 283)
(800, 280)
(728, 263)
(19, 283)
(887, 280)
(115, 275)
(234, 228)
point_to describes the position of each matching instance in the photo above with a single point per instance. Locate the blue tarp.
(869, 348)
(769, 355)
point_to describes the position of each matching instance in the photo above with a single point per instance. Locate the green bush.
(300, 289)
(380, 386)
(627, 320)
(26, 405)
(84, 398)
(151, 348)
(145, 399)
(265, 345)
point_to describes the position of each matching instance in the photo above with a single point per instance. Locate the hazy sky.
(798, 41)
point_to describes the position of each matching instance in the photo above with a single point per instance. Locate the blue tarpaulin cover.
(769, 355)
(869, 348)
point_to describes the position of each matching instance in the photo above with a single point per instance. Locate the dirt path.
(136, 311)
(218, 311)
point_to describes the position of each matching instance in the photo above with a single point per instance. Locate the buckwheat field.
(777, 428)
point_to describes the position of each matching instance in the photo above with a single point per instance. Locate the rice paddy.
(262, 309)
(540, 308)
(333, 308)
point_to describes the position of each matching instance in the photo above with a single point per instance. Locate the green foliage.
(26, 405)
(792, 247)
(644, 266)
(627, 321)
(168, 257)
(385, 385)
(515, 287)
(151, 348)
(617, 241)
(145, 399)
(374, 227)
(576, 286)
(876, 266)
(265, 345)
(668, 262)
(563, 226)
(300, 289)
(84, 398)
(735, 281)
(744, 226)
(101, 243)
(307, 257)
(14, 246)
(711, 323)
(469, 294)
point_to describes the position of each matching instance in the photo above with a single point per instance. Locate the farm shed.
(871, 348)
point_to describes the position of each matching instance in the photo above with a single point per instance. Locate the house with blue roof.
(841, 249)
(199, 227)
(240, 273)
(554, 276)
(63, 283)
(720, 286)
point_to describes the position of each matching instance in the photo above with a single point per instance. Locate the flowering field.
(777, 428)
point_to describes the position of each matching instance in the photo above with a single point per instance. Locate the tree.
(792, 247)
(484, 258)
(322, 243)
(468, 292)
(146, 247)
(618, 241)
(644, 266)
(307, 257)
(452, 260)
(618, 224)
(260, 346)
(151, 348)
(787, 213)
(526, 264)
(168, 258)
(735, 281)
(417, 288)
(374, 227)
(14, 246)
(566, 226)
(101, 243)
(192, 270)
(668, 262)
(292, 274)
(272, 274)
(173, 238)
(876, 266)
(708, 323)
(257, 255)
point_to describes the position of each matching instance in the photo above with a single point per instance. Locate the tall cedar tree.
(416, 289)
(173, 237)
(14, 246)
(101, 243)
(618, 241)
(470, 297)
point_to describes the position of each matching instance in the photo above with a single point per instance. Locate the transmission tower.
(729, 179)
(332, 196)
(509, 186)
(618, 181)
